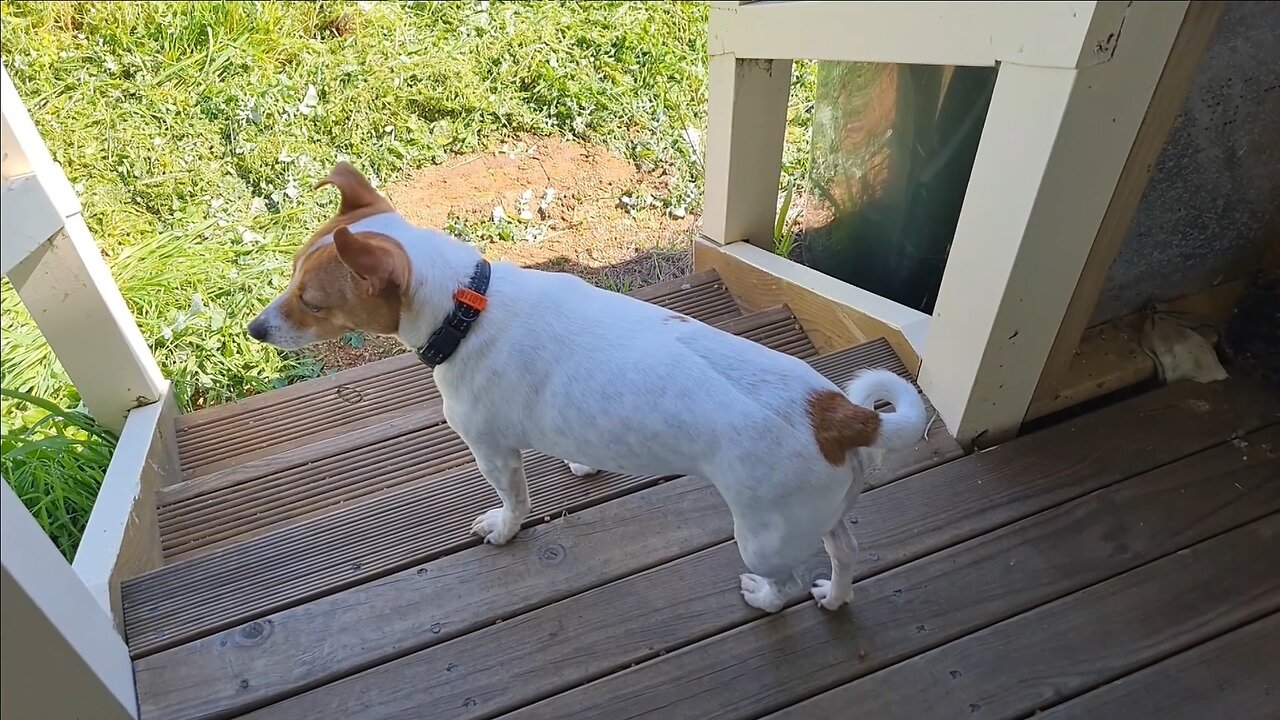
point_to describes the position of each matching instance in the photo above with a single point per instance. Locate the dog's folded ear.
(375, 258)
(357, 192)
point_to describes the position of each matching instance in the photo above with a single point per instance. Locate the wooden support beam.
(746, 127)
(1050, 157)
(1166, 102)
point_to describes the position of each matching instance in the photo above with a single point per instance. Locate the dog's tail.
(905, 425)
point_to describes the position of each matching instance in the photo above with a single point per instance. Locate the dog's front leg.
(505, 472)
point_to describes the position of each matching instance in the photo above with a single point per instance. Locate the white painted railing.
(64, 655)
(1073, 87)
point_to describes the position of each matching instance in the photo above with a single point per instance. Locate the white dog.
(534, 360)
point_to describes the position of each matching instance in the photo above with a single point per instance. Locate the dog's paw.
(581, 470)
(829, 597)
(496, 526)
(761, 594)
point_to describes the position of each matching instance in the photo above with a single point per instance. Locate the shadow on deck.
(319, 566)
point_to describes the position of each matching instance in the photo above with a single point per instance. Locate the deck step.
(261, 426)
(267, 493)
(424, 518)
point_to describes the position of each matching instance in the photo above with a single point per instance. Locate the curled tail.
(905, 425)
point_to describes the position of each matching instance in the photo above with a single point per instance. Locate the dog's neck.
(441, 265)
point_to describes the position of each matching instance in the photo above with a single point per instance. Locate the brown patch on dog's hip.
(840, 426)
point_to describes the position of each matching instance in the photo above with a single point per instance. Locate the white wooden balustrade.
(64, 656)
(1073, 86)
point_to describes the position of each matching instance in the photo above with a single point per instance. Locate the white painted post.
(62, 656)
(746, 128)
(1055, 142)
(64, 281)
(122, 537)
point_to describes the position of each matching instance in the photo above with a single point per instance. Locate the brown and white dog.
(607, 381)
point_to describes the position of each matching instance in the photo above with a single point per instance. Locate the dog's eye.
(309, 306)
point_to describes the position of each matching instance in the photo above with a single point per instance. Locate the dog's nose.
(258, 330)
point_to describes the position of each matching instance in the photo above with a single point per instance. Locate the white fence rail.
(64, 656)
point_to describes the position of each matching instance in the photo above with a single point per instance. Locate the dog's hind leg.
(843, 549)
(505, 472)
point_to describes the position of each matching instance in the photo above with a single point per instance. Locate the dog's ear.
(357, 191)
(374, 258)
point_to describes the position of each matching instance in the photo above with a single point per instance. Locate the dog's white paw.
(581, 470)
(496, 526)
(760, 593)
(829, 597)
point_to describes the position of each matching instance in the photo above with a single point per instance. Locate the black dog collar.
(468, 303)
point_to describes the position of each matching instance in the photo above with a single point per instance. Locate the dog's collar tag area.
(468, 303)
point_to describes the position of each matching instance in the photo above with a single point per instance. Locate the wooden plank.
(459, 592)
(177, 494)
(1235, 676)
(307, 482)
(781, 659)
(122, 537)
(431, 604)
(62, 657)
(1110, 356)
(315, 411)
(834, 313)
(363, 541)
(1058, 650)
(1051, 152)
(906, 520)
(1166, 102)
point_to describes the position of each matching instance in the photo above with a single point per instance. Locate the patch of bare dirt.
(586, 229)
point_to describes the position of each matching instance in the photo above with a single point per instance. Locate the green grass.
(54, 460)
(188, 129)
(193, 132)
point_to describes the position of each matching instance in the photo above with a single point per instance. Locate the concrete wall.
(1213, 204)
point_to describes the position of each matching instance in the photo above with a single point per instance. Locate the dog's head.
(342, 280)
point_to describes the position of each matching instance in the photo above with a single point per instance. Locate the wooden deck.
(1118, 564)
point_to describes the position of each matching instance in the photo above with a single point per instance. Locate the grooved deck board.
(773, 662)
(363, 540)
(222, 437)
(230, 505)
(405, 613)
(430, 604)
(1234, 676)
(1067, 647)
